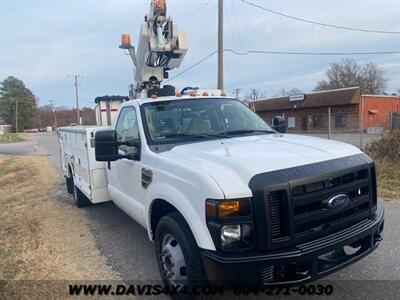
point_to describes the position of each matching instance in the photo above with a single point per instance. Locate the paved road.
(29, 147)
(127, 248)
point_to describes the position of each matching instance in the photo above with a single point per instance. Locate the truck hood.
(233, 162)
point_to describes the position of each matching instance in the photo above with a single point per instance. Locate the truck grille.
(275, 213)
(302, 213)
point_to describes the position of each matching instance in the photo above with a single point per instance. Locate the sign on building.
(299, 97)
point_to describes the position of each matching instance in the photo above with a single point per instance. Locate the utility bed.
(78, 161)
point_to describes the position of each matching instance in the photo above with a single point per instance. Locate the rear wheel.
(80, 199)
(178, 255)
(70, 185)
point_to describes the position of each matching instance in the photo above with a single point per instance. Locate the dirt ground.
(42, 238)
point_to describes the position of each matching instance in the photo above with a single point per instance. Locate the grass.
(388, 177)
(11, 138)
(42, 235)
(6, 166)
(386, 154)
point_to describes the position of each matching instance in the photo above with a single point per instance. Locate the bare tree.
(374, 80)
(291, 92)
(348, 73)
(255, 94)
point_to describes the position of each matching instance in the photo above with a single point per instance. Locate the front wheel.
(178, 255)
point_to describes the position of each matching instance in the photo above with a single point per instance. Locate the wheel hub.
(173, 261)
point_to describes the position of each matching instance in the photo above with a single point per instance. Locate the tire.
(80, 200)
(173, 234)
(70, 185)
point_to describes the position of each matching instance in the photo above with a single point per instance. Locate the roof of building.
(382, 96)
(315, 99)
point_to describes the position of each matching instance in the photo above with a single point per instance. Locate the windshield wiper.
(194, 136)
(244, 131)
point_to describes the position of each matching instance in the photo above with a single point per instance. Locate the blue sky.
(42, 42)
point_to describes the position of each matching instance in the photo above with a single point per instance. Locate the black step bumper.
(306, 262)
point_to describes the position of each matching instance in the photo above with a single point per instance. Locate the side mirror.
(106, 146)
(279, 124)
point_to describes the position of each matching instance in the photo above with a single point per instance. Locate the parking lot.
(354, 138)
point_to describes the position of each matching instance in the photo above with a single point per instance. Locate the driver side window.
(127, 129)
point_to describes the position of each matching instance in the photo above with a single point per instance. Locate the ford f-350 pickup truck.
(224, 196)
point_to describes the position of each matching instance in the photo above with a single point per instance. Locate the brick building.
(381, 111)
(346, 107)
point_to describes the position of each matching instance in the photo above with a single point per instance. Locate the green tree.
(17, 101)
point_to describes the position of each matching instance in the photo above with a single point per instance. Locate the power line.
(317, 23)
(196, 12)
(220, 63)
(237, 43)
(244, 53)
(192, 66)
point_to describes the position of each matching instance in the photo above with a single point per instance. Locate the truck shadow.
(122, 241)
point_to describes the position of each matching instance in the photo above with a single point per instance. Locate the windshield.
(190, 119)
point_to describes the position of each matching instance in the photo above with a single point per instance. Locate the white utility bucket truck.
(225, 197)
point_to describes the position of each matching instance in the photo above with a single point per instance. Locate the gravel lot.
(127, 248)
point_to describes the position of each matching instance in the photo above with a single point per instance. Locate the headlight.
(231, 223)
(230, 234)
(236, 236)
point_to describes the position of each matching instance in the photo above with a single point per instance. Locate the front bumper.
(307, 262)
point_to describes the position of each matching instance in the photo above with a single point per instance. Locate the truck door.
(125, 175)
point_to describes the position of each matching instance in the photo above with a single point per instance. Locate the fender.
(185, 207)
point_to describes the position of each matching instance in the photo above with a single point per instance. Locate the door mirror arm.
(134, 143)
(131, 143)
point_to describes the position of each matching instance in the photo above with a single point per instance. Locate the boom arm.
(161, 48)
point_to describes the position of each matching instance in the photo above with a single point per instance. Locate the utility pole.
(54, 114)
(329, 123)
(78, 118)
(361, 117)
(16, 116)
(220, 44)
(237, 91)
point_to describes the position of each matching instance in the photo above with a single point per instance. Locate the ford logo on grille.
(338, 201)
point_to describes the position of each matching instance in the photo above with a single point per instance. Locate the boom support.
(161, 48)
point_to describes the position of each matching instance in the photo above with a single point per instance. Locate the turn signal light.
(228, 208)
